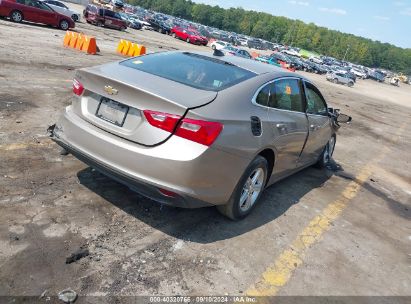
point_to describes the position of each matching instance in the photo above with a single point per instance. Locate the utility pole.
(348, 47)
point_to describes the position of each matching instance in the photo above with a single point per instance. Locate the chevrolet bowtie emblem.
(110, 90)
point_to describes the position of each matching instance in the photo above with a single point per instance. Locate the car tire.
(350, 84)
(188, 40)
(99, 24)
(123, 29)
(64, 25)
(335, 80)
(16, 16)
(174, 35)
(213, 47)
(238, 208)
(74, 17)
(327, 154)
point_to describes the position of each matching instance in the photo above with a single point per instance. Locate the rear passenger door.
(319, 124)
(288, 123)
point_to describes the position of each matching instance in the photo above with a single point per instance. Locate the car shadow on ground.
(206, 225)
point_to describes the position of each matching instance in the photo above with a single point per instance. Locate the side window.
(21, 2)
(315, 101)
(263, 96)
(43, 7)
(286, 95)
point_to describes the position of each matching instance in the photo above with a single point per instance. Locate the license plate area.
(112, 111)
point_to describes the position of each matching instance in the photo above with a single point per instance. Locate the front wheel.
(188, 40)
(174, 35)
(335, 80)
(64, 25)
(16, 16)
(350, 84)
(248, 190)
(74, 17)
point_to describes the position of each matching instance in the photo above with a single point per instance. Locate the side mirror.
(343, 118)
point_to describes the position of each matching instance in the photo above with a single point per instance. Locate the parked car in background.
(61, 8)
(218, 45)
(219, 148)
(359, 73)
(159, 26)
(315, 68)
(374, 75)
(34, 11)
(131, 22)
(255, 44)
(104, 17)
(268, 59)
(188, 36)
(291, 52)
(342, 78)
(230, 50)
(315, 59)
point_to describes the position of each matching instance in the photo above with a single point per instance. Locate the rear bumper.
(199, 175)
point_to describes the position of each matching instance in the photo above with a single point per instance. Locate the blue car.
(269, 60)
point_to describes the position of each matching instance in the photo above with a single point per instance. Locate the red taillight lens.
(78, 88)
(200, 131)
(161, 120)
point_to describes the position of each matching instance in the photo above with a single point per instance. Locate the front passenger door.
(319, 124)
(288, 124)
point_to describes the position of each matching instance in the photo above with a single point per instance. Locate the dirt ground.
(52, 205)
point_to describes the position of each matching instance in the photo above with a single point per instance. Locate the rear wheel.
(123, 28)
(16, 16)
(248, 190)
(74, 17)
(350, 84)
(335, 80)
(188, 40)
(99, 23)
(64, 25)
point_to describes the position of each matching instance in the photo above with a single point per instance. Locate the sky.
(382, 20)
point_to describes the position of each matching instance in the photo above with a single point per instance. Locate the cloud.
(302, 3)
(406, 12)
(382, 18)
(337, 11)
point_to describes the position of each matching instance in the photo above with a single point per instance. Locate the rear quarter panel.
(234, 108)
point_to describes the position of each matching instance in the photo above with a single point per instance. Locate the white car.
(218, 45)
(359, 74)
(61, 8)
(315, 59)
(291, 52)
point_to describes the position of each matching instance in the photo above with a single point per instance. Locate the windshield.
(194, 70)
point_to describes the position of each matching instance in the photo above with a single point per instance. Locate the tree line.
(289, 32)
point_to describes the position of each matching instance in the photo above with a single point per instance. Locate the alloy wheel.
(16, 16)
(251, 189)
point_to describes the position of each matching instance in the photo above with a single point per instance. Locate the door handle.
(281, 126)
(314, 127)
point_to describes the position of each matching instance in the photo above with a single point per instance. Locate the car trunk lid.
(115, 97)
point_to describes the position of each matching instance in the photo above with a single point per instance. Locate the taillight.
(78, 88)
(200, 131)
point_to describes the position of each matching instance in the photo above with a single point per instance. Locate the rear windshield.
(194, 70)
